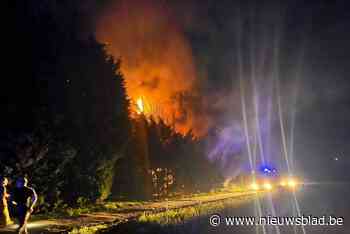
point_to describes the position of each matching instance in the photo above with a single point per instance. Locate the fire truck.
(268, 178)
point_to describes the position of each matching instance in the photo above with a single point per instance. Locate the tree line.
(66, 123)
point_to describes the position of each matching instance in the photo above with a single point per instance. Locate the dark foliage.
(65, 117)
(157, 147)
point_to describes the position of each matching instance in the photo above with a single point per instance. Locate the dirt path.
(133, 212)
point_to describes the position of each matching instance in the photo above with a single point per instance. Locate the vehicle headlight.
(254, 186)
(292, 183)
(268, 186)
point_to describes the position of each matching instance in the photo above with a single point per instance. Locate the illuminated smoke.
(156, 59)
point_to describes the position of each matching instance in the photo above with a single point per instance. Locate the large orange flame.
(156, 60)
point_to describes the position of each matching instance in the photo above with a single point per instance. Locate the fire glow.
(157, 62)
(140, 106)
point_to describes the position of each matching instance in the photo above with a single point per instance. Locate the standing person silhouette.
(4, 211)
(25, 199)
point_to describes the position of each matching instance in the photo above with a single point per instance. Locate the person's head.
(21, 182)
(4, 181)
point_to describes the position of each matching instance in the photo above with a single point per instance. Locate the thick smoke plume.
(157, 61)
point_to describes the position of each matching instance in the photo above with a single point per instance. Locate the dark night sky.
(314, 41)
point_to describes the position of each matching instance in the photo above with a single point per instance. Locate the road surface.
(315, 200)
(123, 215)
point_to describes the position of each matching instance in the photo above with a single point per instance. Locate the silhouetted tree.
(65, 116)
(66, 121)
